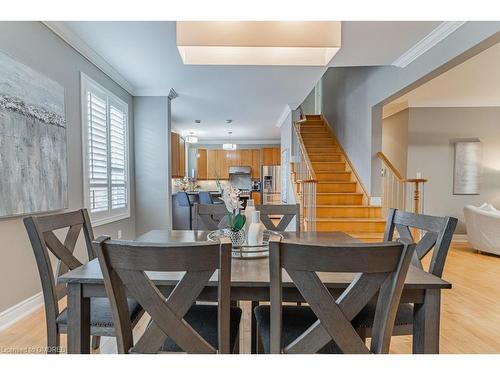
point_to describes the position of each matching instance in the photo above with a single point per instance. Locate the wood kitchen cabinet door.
(212, 164)
(267, 156)
(255, 163)
(182, 157)
(201, 164)
(174, 153)
(277, 156)
(223, 162)
(245, 158)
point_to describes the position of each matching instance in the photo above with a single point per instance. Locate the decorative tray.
(245, 251)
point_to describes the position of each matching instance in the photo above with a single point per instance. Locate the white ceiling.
(254, 97)
(474, 83)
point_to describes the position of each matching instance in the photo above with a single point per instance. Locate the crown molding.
(434, 37)
(86, 51)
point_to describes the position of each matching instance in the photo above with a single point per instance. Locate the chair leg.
(53, 342)
(96, 342)
(253, 329)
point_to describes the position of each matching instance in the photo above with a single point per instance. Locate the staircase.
(341, 202)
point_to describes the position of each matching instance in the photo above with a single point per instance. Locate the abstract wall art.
(467, 173)
(33, 164)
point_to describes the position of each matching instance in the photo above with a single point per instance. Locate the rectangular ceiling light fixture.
(300, 43)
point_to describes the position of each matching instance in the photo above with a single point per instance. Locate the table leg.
(78, 321)
(253, 329)
(426, 320)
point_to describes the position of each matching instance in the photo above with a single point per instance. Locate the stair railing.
(305, 183)
(400, 192)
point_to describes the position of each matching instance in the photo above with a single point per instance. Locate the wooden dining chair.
(286, 211)
(325, 325)
(43, 240)
(438, 235)
(177, 322)
(211, 216)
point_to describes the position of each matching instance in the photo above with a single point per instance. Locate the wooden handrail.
(391, 166)
(304, 153)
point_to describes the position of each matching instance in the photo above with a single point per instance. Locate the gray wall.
(152, 158)
(431, 152)
(307, 105)
(36, 46)
(395, 139)
(351, 97)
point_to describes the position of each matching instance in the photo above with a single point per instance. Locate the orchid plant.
(231, 198)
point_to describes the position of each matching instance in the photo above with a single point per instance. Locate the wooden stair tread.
(347, 206)
(339, 193)
(351, 219)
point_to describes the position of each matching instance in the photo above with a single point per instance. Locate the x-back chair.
(211, 216)
(44, 241)
(177, 322)
(438, 235)
(325, 325)
(286, 211)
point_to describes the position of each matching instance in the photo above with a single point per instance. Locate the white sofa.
(483, 227)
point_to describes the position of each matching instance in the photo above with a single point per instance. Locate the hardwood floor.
(470, 312)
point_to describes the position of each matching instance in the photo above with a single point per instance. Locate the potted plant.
(235, 220)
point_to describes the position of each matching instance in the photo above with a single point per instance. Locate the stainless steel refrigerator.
(271, 184)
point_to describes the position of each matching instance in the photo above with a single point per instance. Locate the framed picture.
(33, 169)
(467, 168)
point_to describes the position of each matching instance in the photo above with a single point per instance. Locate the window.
(105, 153)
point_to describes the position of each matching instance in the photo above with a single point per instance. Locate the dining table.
(250, 282)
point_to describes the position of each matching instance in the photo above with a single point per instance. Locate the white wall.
(431, 152)
(286, 143)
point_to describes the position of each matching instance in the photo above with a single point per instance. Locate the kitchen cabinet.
(271, 156)
(255, 163)
(178, 155)
(201, 164)
(277, 156)
(223, 161)
(213, 164)
(212, 167)
(256, 197)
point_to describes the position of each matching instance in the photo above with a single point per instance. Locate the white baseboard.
(460, 238)
(20, 310)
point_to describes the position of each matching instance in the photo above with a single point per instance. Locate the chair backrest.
(213, 216)
(204, 197)
(124, 265)
(183, 199)
(287, 211)
(41, 234)
(438, 235)
(382, 269)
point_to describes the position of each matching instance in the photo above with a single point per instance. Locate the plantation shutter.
(118, 155)
(106, 138)
(97, 153)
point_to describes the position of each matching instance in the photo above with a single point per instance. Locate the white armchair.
(483, 228)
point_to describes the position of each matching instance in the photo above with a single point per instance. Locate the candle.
(419, 175)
